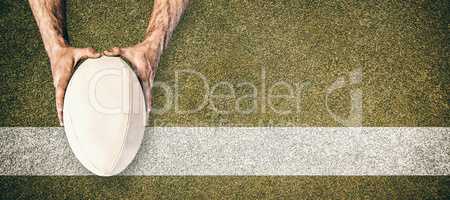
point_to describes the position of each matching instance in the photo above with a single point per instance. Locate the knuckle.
(59, 107)
(145, 74)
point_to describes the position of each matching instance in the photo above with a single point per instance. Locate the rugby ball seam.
(74, 131)
(85, 154)
(121, 152)
(89, 162)
(124, 136)
(127, 144)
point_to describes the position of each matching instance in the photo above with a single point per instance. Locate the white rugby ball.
(104, 115)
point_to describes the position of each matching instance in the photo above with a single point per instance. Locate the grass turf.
(401, 46)
(425, 187)
(402, 49)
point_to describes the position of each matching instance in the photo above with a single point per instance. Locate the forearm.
(164, 18)
(50, 20)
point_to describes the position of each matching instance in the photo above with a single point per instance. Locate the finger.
(112, 52)
(126, 52)
(146, 86)
(60, 90)
(86, 53)
(60, 116)
(59, 94)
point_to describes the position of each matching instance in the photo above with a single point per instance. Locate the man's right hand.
(49, 15)
(63, 61)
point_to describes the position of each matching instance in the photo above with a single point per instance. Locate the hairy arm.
(163, 20)
(50, 20)
(145, 55)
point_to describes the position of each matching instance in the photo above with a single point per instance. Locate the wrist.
(55, 46)
(54, 49)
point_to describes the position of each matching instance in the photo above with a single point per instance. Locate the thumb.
(86, 53)
(147, 88)
(115, 51)
(60, 89)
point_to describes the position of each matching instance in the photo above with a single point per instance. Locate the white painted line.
(244, 151)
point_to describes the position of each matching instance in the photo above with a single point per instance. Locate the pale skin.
(144, 56)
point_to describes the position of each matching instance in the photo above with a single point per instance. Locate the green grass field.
(401, 47)
(225, 187)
